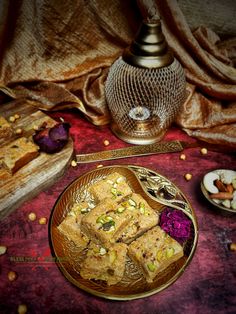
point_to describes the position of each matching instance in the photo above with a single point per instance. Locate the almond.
(220, 185)
(222, 196)
(229, 188)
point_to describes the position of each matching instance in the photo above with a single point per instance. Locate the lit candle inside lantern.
(139, 113)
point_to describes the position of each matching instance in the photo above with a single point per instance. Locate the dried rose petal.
(52, 140)
(176, 224)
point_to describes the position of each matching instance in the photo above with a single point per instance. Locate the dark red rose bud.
(52, 140)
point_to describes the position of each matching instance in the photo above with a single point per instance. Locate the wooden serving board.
(39, 173)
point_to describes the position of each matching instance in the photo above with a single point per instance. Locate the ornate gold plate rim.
(154, 187)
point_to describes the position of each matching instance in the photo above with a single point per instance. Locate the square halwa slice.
(104, 224)
(154, 251)
(18, 153)
(103, 263)
(70, 226)
(143, 217)
(113, 186)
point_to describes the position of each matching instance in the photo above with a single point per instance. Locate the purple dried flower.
(52, 140)
(176, 224)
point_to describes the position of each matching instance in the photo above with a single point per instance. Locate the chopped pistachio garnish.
(132, 202)
(130, 207)
(120, 179)
(114, 191)
(102, 251)
(109, 226)
(85, 210)
(151, 267)
(142, 208)
(107, 222)
(96, 250)
(108, 218)
(75, 210)
(170, 252)
(110, 181)
(112, 256)
(120, 209)
(159, 255)
(101, 219)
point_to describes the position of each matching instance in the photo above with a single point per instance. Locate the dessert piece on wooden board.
(28, 179)
(28, 120)
(18, 153)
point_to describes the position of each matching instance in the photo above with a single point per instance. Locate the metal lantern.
(145, 87)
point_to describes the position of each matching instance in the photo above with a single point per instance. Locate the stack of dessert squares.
(121, 225)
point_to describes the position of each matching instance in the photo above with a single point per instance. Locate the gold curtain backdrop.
(56, 54)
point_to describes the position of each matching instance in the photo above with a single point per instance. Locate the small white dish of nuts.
(219, 187)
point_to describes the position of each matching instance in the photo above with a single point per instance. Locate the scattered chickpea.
(22, 309)
(232, 246)
(182, 157)
(3, 249)
(11, 275)
(73, 163)
(12, 119)
(32, 216)
(16, 116)
(43, 221)
(18, 131)
(188, 176)
(203, 151)
(99, 166)
(106, 142)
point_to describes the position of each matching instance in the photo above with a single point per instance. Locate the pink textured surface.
(207, 285)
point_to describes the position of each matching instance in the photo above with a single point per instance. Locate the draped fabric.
(56, 54)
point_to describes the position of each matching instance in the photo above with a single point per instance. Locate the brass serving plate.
(159, 192)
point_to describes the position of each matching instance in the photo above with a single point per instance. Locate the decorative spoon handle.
(132, 151)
